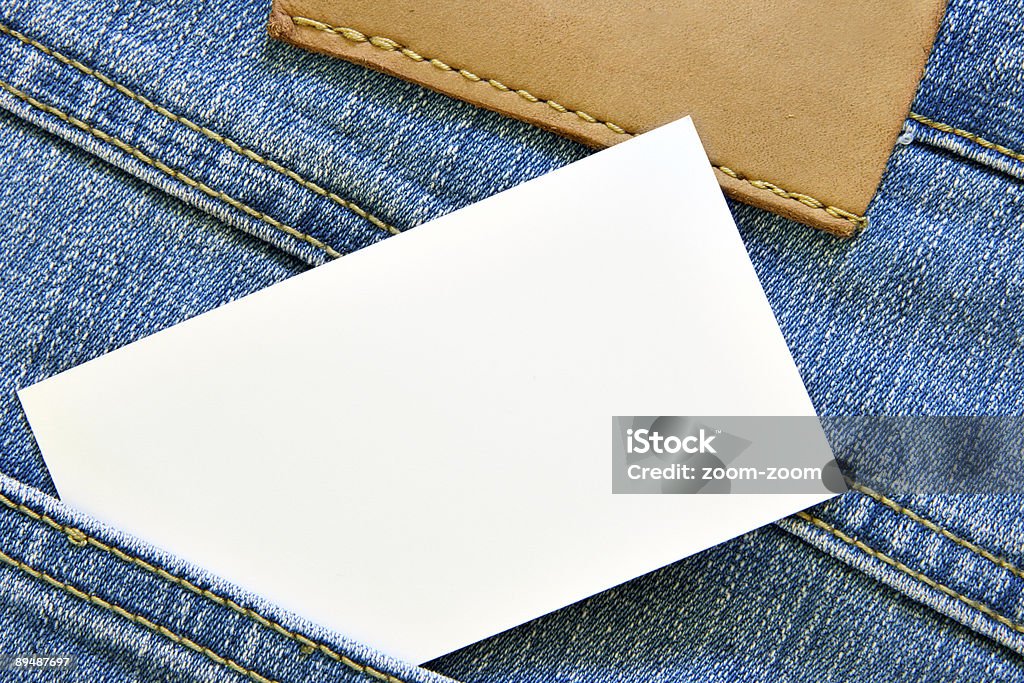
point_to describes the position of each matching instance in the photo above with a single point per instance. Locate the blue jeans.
(160, 159)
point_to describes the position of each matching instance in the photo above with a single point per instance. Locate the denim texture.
(93, 258)
(740, 614)
(973, 79)
(127, 612)
(402, 153)
(109, 242)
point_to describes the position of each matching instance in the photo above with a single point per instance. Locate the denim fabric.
(737, 613)
(126, 612)
(123, 218)
(93, 258)
(973, 79)
(399, 152)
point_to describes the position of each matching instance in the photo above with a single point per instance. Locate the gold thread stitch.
(942, 531)
(253, 675)
(806, 200)
(77, 538)
(388, 45)
(923, 578)
(968, 135)
(306, 644)
(195, 127)
(136, 618)
(167, 170)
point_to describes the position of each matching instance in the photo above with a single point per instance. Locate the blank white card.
(411, 444)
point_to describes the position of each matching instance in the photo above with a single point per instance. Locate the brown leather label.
(798, 104)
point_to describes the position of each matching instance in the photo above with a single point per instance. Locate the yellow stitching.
(932, 526)
(896, 564)
(213, 135)
(966, 134)
(307, 645)
(167, 170)
(806, 200)
(388, 45)
(136, 618)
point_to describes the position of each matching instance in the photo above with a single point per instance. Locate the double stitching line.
(923, 578)
(167, 170)
(195, 127)
(967, 135)
(136, 618)
(942, 531)
(80, 539)
(388, 45)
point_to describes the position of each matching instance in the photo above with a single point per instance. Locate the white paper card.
(411, 444)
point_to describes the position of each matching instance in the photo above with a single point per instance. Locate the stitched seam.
(195, 127)
(932, 526)
(80, 539)
(136, 618)
(923, 578)
(806, 200)
(967, 135)
(167, 170)
(388, 45)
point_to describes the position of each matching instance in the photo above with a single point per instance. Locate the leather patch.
(798, 104)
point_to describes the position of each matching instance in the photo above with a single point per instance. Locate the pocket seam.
(942, 531)
(967, 135)
(153, 162)
(134, 618)
(913, 573)
(80, 539)
(209, 133)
